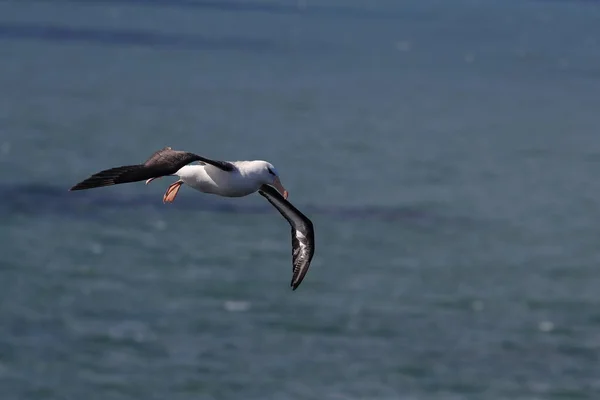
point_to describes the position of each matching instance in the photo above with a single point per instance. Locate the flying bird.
(222, 178)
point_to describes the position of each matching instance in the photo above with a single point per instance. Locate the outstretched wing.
(163, 162)
(169, 156)
(303, 234)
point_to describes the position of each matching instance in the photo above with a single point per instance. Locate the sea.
(447, 152)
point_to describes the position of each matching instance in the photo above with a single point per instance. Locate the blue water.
(448, 154)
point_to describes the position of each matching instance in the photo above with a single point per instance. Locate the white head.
(266, 173)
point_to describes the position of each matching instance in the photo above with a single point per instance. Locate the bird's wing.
(163, 162)
(303, 235)
(169, 156)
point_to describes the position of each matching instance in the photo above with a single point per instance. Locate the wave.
(292, 8)
(129, 37)
(35, 199)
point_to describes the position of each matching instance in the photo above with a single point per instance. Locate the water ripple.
(47, 199)
(129, 37)
(299, 7)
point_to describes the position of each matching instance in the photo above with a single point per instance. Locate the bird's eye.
(271, 171)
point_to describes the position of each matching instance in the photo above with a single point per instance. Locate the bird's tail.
(114, 176)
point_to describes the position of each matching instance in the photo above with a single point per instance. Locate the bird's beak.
(280, 188)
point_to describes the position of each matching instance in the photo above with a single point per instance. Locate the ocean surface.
(448, 153)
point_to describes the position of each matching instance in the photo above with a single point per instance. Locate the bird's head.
(269, 176)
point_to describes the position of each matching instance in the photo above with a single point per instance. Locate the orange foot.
(172, 191)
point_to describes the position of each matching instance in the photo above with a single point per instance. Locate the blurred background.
(447, 152)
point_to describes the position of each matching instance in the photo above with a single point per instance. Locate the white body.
(244, 180)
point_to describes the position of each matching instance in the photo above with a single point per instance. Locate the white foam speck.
(302, 4)
(546, 326)
(403, 45)
(591, 41)
(477, 305)
(132, 330)
(563, 63)
(236, 306)
(3, 369)
(96, 248)
(5, 148)
(160, 225)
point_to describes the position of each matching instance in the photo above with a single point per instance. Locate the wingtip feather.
(294, 284)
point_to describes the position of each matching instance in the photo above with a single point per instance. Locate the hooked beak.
(280, 188)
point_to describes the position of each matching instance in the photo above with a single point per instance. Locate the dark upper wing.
(164, 162)
(170, 156)
(303, 234)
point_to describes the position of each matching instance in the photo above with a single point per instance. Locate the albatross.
(222, 178)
